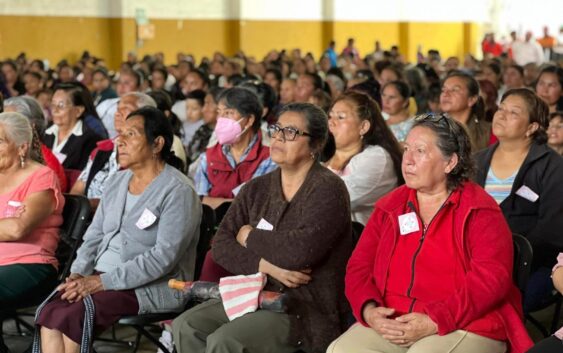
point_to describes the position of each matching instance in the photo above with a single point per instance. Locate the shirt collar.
(227, 151)
(77, 130)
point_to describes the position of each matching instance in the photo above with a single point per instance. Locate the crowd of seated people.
(440, 161)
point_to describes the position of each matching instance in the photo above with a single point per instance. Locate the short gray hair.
(30, 108)
(337, 81)
(143, 99)
(17, 128)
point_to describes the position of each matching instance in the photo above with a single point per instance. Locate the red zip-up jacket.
(484, 240)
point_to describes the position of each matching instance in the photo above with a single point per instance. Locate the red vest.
(223, 177)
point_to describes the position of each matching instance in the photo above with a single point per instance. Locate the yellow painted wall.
(258, 37)
(448, 38)
(365, 35)
(199, 37)
(55, 38)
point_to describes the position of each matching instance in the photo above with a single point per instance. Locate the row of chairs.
(76, 215)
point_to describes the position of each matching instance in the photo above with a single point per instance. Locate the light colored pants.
(360, 339)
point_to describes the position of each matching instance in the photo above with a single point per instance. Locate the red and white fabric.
(240, 294)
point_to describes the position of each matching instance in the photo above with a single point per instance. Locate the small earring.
(312, 155)
(22, 162)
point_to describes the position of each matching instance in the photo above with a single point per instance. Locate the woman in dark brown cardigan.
(307, 209)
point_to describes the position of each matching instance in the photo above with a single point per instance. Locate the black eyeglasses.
(288, 133)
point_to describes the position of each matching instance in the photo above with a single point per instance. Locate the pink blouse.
(39, 246)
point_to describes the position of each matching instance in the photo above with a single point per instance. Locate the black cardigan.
(77, 148)
(541, 221)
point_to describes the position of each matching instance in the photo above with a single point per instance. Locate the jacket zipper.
(419, 248)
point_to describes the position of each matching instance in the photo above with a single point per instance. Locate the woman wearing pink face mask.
(240, 153)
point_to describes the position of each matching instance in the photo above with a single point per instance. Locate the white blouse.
(368, 176)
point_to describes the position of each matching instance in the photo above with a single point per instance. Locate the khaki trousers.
(206, 328)
(360, 339)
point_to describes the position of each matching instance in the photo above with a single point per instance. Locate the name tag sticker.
(527, 193)
(264, 225)
(408, 223)
(146, 220)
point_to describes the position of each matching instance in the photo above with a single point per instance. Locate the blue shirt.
(202, 184)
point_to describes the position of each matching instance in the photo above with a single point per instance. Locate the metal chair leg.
(151, 338)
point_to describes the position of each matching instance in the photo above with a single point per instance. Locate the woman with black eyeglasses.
(432, 271)
(367, 156)
(294, 226)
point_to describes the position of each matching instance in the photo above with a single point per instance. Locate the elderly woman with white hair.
(31, 207)
(31, 109)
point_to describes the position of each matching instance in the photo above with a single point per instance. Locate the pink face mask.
(228, 131)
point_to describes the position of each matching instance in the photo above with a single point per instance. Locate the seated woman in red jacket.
(432, 270)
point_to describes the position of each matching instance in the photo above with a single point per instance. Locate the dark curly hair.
(452, 138)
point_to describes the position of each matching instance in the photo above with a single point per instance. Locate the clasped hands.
(290, 279)
(404, 330)
(77, 287)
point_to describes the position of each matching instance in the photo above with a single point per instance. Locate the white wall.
(499, 15)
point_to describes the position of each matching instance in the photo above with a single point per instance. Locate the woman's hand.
(378, 319)
(242, 235)
(414, 326)
(79, 287)
(290, 279)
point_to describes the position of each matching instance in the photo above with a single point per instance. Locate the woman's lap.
(261, 331)
(26, 282)
(68, 318)
(364, 339)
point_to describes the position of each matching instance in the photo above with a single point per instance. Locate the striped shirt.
(499, 189)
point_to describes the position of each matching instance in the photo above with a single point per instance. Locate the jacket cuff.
(107, 281)
(359, 309)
